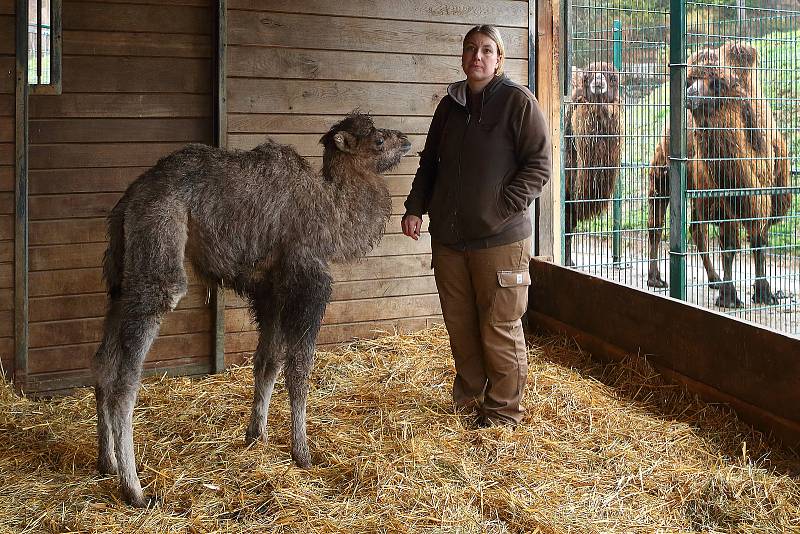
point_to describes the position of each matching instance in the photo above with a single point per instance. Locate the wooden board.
(307, 145)
(112, 130)
(339, 97)
(368, 289)
(500, 12)
(78, 357)
(8, 81)
(121, 105)
(351, 311)
(7, 25)
(61, 155)
(93, 305)
(269, 124)
(257, 28)
(7, 130)
(310, 64)
(93, 43)
(85, 74)
(72, 281)
(78, 205)
(77, 331)
(63, 231)
(6, 227)
(117, 17)
(7, 178)
(83, 180)
(245, 342)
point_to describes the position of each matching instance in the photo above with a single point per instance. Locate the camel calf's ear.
(344, 141)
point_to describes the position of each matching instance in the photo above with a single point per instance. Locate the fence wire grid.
(734, 248)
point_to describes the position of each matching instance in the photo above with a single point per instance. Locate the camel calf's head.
(357, 139)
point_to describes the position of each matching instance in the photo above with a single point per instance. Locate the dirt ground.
(594, 256)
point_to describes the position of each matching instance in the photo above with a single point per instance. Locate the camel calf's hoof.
(107, 467)
(302, 458)
(251, 437)
(143, 501)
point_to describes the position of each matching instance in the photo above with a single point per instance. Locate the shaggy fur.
(592, 135)
(259, 221)
(732, 143)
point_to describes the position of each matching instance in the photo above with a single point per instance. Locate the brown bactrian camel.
(592, 129)
(732, 143)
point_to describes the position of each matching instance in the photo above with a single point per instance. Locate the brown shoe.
(487, 422)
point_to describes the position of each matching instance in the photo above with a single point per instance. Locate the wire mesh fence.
(734, 217)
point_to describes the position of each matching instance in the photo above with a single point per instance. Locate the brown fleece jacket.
(482, 166)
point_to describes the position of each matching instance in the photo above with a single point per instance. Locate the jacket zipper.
(459, 185)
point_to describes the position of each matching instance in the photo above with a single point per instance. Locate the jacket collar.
(458, 90)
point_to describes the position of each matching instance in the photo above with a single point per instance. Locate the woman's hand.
(412, 226)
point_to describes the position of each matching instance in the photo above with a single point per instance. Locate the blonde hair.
(494, 34)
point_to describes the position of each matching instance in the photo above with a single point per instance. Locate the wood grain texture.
(257, 28)
(500, 12)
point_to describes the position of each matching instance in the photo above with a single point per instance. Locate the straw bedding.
(603, 448)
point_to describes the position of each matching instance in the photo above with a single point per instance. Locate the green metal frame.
(566, 47)
(616, 246)
(677, 149)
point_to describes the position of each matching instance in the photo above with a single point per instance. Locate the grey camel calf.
(261, 222)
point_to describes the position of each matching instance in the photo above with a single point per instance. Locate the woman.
(486, 157)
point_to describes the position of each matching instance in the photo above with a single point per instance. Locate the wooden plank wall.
(137, 85)
(297, 66)
(7, 182)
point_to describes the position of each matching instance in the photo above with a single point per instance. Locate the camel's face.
(386, 147)
(710, 85)
(373, 148)
(705, 90)
(601, 83)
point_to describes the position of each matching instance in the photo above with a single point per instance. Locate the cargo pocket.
(511, 295)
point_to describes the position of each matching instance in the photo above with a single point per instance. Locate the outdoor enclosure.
(736, 185)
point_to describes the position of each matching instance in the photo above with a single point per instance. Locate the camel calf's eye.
(379, 141)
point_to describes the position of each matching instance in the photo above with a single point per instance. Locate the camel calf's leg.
(104, 365)
(267, 363)
(303, 296)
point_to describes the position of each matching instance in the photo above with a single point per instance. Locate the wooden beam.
(549, 85)
(220, 140)
(751, 368)
(21, 198)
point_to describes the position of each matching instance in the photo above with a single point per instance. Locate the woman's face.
(479, 58)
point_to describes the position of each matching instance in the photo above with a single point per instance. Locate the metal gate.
(681, 165)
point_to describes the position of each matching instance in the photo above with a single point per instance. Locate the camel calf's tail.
(114, 259)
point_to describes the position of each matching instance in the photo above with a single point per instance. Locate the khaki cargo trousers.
(483, 295)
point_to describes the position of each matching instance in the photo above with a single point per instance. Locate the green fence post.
(617, 203)
(677, 149)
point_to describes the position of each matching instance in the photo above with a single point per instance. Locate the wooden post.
(549, 85)
(220, 140)
(21, 202)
